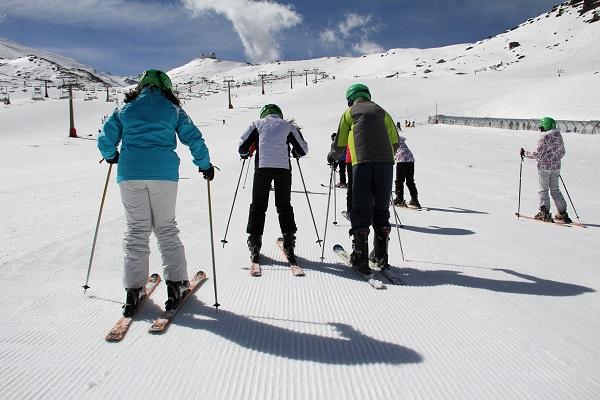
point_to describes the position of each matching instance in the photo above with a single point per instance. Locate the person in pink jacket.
(550, 150)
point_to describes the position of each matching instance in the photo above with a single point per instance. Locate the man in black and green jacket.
(371, 135)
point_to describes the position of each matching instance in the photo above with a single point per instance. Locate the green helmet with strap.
(357, 90)
(270, 109)
(547, 123)
(154, 77)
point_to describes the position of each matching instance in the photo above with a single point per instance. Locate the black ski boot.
(414, 202)
(360, 253)
(379, 255)
(134, 296)
(564, 217)
(399, 202)
(254, 244)
(544, 215)
(289, 242)
(176, 290)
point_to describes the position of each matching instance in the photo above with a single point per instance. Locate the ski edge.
(339, 250)
(554, 221)
(161, 324)
(120, 329)
(295, 269)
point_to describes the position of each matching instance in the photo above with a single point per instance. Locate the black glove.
(295, 154)
(331, 159)
(522, 152)
(115, 159)
(208, 174)
(244, 156)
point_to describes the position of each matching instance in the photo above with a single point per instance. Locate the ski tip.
(155, 277)
(200, 275)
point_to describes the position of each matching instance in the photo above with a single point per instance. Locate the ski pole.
(307, 199)
(520, 174)
(232, 204)
(334, 200)
(87, 278)
(212, 245)
(398, 224)
(327, 214)
(565, 186)
(246, 177)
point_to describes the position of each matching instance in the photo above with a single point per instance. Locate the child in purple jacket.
(550, 149)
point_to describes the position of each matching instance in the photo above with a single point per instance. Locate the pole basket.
(73, 132)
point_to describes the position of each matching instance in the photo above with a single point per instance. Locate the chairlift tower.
(306, 75)
(316, 72)
(45, 79)
(262, 76)
(229, 81)
(69, 82)
(292, 72)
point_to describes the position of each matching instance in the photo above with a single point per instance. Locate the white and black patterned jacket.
(270, 137)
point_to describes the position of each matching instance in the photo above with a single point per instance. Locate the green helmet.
(357, 90)
(547, 123)
(154, 77)
(270, 109)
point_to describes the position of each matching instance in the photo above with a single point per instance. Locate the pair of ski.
(386, 270)
(160, 325)
(556, 222)
(295, 269)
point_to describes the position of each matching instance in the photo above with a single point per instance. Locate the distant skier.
(550, 150)
(271, 137)
(372, 137)
(340, 165)
(405, 170)
(147, 126)
(399, 126)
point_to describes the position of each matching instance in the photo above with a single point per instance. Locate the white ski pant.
(150, 207)
(549, 181)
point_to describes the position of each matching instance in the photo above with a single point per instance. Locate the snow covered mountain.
(20, 64)
(540, 46)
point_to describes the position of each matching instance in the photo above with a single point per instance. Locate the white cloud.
(352, 23)
(352, 34)
(257, 23)
(367, 47)
(328, 36)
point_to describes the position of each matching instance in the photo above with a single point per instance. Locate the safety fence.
(583, 127)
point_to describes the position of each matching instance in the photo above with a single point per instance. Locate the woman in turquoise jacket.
(147, 127)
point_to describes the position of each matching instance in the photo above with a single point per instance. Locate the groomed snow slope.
(494, 308)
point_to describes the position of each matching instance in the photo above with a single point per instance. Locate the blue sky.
(126, 37)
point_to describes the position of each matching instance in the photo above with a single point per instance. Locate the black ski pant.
(371, 191)
(341, 166)
(406, 171)
(261, 188)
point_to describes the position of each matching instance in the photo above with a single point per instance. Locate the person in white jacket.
(405, 171)
(550, 150)
(270, 137)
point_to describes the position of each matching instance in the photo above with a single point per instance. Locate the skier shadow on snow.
(334, 268)
(533, 285)
(348, 347)
(457, 210)
(437, 230)
(267, 263)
